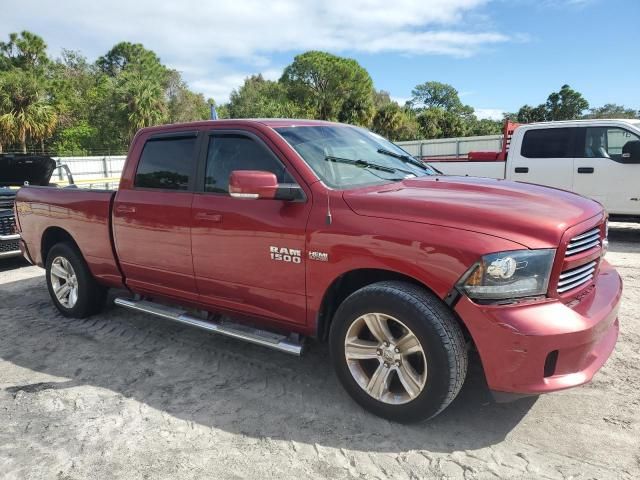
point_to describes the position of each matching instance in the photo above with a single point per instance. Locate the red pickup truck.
(272, 231)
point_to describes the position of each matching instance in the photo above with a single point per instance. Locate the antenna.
(329, 218)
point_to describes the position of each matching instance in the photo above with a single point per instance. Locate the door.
(544, 156)
(602, 174)
(152, 220)
(248, 254)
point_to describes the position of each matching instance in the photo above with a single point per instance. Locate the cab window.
(547, 143)
(167, 163)
(606, 142)
(229, 152)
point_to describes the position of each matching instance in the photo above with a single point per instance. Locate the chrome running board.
(264, 338)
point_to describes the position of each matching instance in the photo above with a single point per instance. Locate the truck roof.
(586, 122)
(269, 122)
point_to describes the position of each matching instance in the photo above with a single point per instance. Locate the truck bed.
(85, 215)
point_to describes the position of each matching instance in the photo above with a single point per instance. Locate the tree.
(395, 123)
(141, 100)
(26, 51)
(330, 87)
(529, 114)
(184, 105)
(567, 104)
(116, 60)
(260, 98)
(439, 123)
(24, 114)
(436, 95)
(612, 110)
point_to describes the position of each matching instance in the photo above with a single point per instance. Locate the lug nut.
(397, 350)
(397, 363)
(378, 352)
(386, 344)
(386, 365)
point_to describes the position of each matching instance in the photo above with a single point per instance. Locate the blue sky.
(499, 54)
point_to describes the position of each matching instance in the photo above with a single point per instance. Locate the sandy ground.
(124, 395)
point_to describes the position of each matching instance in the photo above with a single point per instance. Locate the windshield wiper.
(404, 158)
(363, 164)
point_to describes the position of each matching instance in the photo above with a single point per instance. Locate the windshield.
(346, 157)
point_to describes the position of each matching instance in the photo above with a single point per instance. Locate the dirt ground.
(124, 395)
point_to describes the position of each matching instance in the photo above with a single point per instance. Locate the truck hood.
(532, 215)
(17, 169)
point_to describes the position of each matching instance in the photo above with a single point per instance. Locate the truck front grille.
(576, 277)
(7, 225)
(583, 242)
(9, 246)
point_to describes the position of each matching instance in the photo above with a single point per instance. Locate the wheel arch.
(52, 236)
(349, 282)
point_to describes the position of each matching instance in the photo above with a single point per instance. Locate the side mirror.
(252, 184)
(631, 152)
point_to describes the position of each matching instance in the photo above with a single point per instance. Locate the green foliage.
(566, 104)
(395, 123)
(71, 105)
(611, 110)
(75, 140)
(26, 51)
(436, 95)
(330, 87)
(260, 98)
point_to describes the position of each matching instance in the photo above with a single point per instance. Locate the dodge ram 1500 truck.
(272, 231)
(599, 159)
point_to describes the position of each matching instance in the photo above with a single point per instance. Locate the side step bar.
(233, 330)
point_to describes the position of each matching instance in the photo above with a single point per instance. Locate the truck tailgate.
(45, 213)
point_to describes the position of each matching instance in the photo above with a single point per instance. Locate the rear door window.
(547, 143)
(167, 163)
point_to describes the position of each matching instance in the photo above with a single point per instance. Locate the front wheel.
(398, 351)
(74, 291)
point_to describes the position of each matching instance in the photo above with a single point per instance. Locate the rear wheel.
(398, 351)
(74, 291)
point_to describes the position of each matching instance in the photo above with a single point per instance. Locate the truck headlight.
(509, 275)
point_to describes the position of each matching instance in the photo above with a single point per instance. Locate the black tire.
(91, 295)
(435, 327)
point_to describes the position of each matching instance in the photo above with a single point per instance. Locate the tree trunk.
(42, 146)
(0, 148)
(23, 142)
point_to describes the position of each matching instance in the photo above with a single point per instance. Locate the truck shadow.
(12, 263)
(221, 383)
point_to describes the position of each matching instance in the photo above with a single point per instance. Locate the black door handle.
(522, 169)
(585, 169)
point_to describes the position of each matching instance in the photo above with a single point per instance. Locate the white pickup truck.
(599, 159)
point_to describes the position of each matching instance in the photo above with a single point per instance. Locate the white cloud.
(490, 113)
(215, 43)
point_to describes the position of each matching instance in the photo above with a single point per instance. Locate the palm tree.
(142, 101)
(23, 111)
(7, 130)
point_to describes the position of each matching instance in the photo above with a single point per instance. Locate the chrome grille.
(7, 225)
(585, 241)
(570, 279)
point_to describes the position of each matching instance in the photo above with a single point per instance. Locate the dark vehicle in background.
(15, 171)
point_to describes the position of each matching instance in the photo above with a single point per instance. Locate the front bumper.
(10, 246)
(546, 346)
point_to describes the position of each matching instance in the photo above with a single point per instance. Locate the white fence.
(452, 147)
(97, 171)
